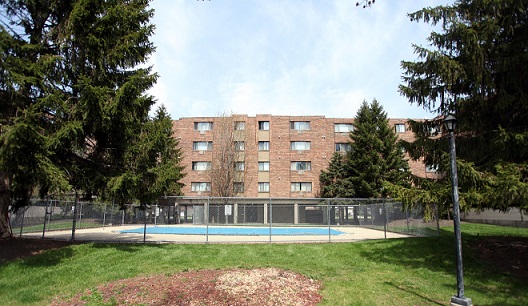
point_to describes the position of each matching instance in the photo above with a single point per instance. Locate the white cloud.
(242, 97)
(343, 104)
(282, 57)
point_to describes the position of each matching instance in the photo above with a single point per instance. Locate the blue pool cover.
(235, 231)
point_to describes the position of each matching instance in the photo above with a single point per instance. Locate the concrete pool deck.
(113, 234)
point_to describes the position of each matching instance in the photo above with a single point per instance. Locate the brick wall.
(321, 136)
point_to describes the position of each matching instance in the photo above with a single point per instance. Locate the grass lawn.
(55, 225)
(412, 271)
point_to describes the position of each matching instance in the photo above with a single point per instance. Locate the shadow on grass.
(49, 257)
(125, 247)
(55, 256)
(407, 290)
(437, 254)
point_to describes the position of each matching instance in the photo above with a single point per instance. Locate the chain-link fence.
(208, 219)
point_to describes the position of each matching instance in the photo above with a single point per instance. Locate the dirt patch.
(259, 287)
(506, 254)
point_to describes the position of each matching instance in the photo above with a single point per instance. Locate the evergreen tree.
(27, 60)
(333, 181)
(103, 105)
(153, 164)
(475, 73)
(72, 95)
(376, 156)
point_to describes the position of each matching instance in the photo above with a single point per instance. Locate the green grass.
(412, 271)
(55, 225)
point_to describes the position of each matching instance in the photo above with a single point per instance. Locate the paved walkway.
(113, 234)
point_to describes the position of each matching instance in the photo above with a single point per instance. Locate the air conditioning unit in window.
(202, 132)
(300, 172)
(201, 152)
(300, 151)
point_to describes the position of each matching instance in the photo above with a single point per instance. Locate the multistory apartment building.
(277, 156)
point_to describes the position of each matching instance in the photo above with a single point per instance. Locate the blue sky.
(284, 57)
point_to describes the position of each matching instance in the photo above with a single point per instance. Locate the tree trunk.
(5, 229)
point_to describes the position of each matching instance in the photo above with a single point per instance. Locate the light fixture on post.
(450, 123)
(459, 299)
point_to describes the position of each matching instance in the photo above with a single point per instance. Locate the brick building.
(277, 156)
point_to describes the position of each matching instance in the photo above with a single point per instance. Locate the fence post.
(437, 218)
(80, 215)
(74, 223)
(104, 215)
(156, 215)
(112, 214)
(45, 218)
(144, 222)
(407, 220)
(372, 214)
(386, 218)
(22, 222)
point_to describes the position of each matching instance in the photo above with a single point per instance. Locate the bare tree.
(365, 3)
(228, 164)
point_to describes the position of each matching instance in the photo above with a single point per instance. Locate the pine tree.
(153, 164)
(73, 98)
(333, 181)
(475, 73)
(104, 105)
(376, 156)
(27, 58)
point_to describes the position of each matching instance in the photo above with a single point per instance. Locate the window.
(343, 127)
(203, 126)
(431, 168)
(400, 128)
(264, 125)
(343, 147)
(300, 165)
(200, 186)
(238, 187)
(240, 126)
(300, 125)
(434, 130)
(301, 186)
(202, 145)
(239, 146)
(300, 145)
(263, 145)
(264, 187)
(239, 166)
(263, 166)
(201, 166)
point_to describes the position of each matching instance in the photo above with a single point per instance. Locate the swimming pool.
(235, 231)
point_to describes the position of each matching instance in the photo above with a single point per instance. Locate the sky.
(284, 57)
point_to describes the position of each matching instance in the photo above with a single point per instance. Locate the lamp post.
(459, 299)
